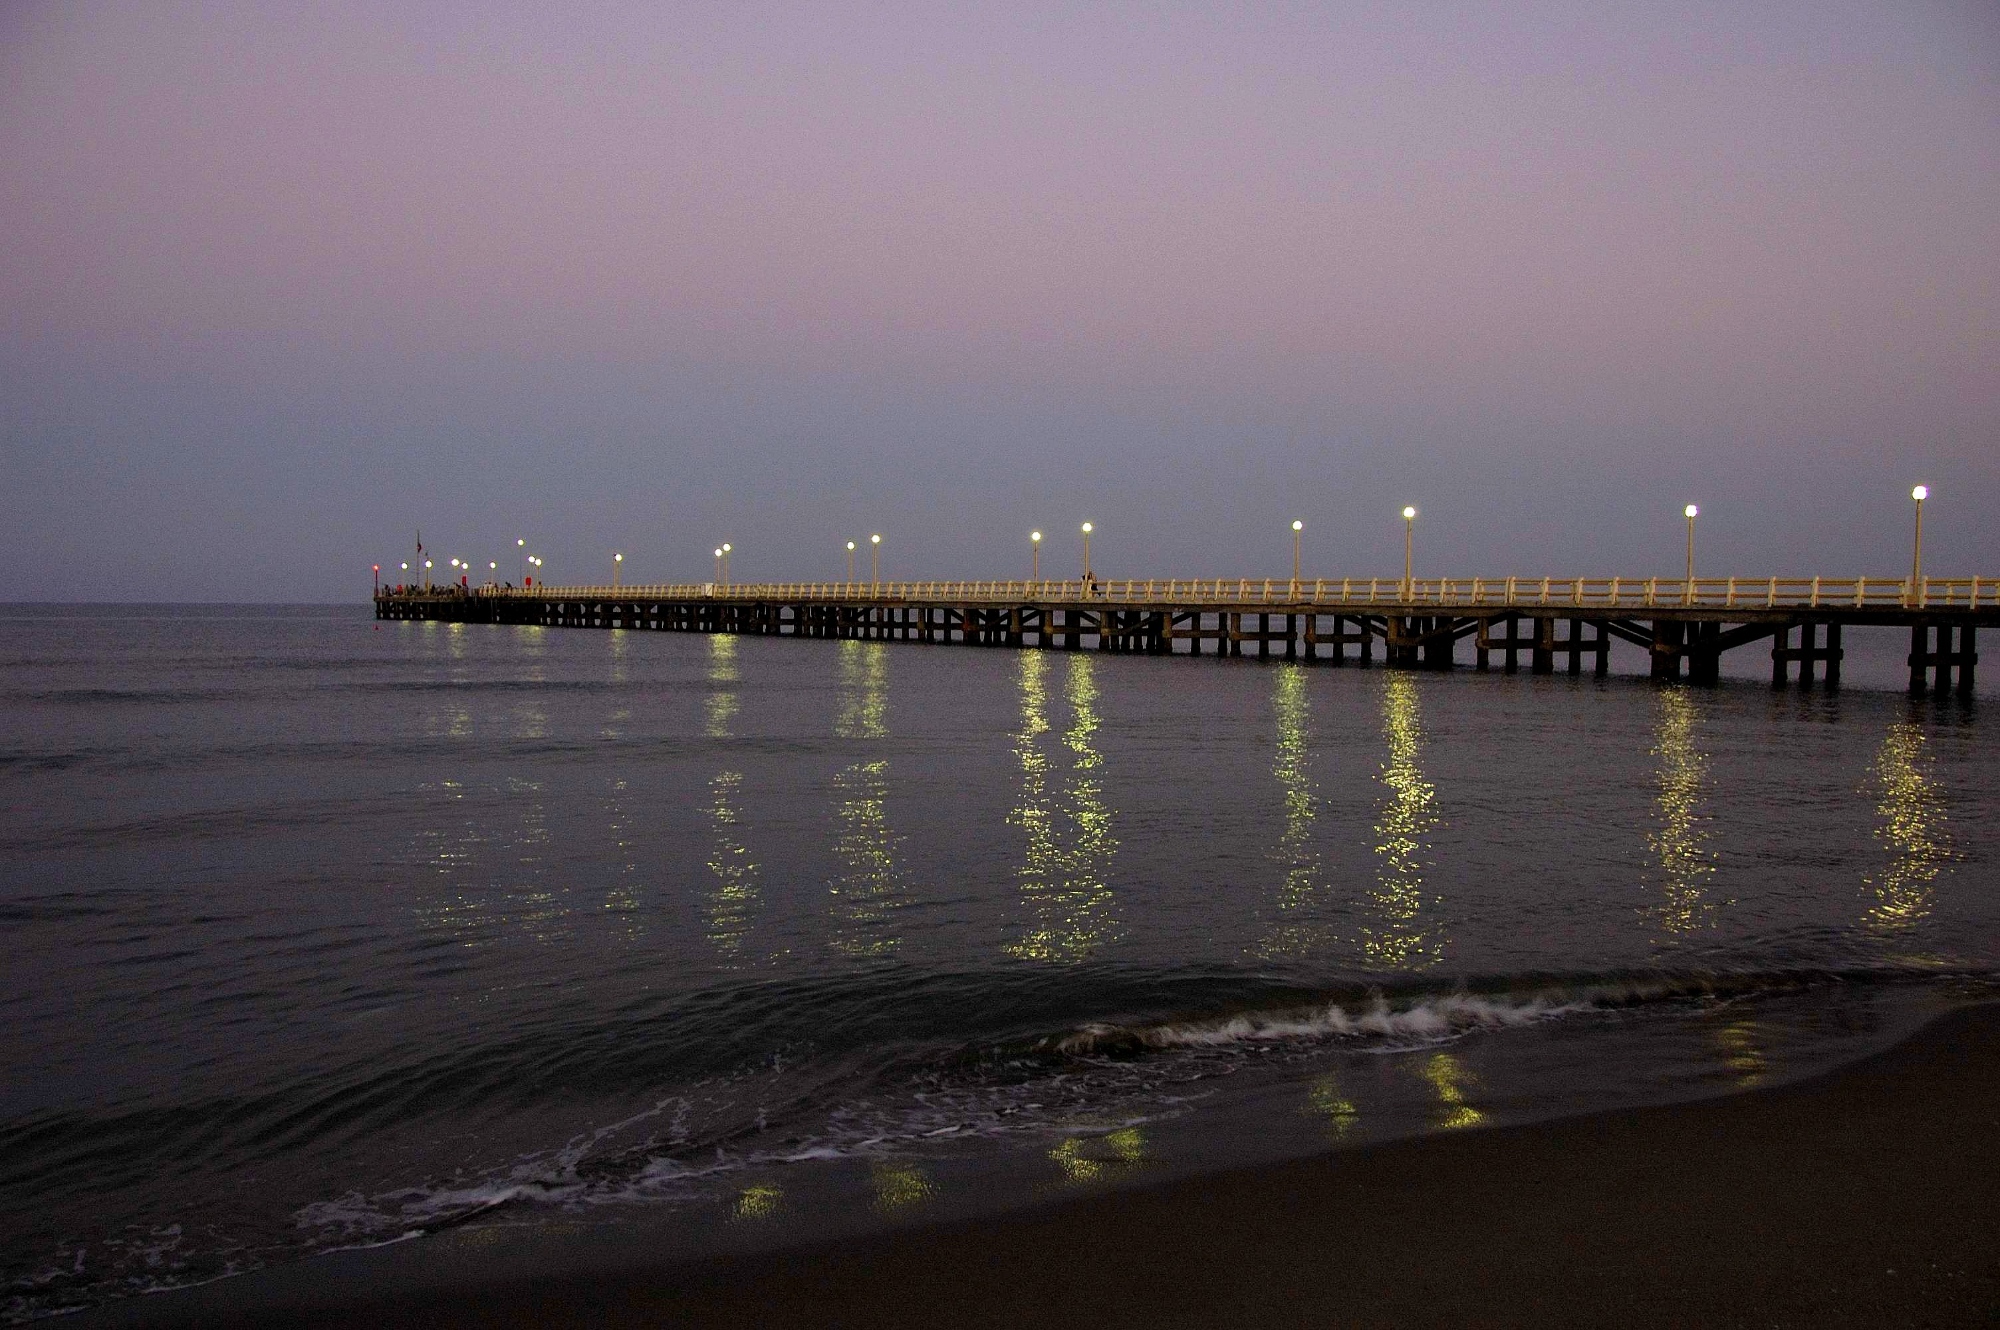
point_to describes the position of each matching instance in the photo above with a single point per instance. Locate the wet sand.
(1868, 1197)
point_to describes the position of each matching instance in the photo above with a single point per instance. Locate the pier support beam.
(1668, 635)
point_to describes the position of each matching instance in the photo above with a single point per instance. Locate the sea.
(323, 934)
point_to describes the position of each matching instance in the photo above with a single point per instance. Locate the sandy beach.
(1864, 1197)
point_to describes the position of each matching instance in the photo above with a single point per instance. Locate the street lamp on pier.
(850, 563)
(1035, 558)
(727, 549)
(1916, 596)
(1409, 547)
(617, 571)
(718, 565)
(1690, 512)
(1298, 535)
(521, 546)
(1088, 577)
(875, 563)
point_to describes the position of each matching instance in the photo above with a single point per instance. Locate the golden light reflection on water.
(721, 703)
(757, 1202)
(1328, 1099)
(730, 909)
(1304, 884)
(481, 884)
(1399, 937)
(1063, 876)
(622, 897)
(1910, 823)
(900, 1186)
(870, 887)
(732, 902)
(1085, 1159)
(864, 691)
(1684, 867)
(1449, 1077)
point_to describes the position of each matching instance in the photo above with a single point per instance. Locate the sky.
(282, 285)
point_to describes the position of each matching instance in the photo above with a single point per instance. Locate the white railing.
(1590, 593)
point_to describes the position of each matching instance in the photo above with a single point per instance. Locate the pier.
(1547, 623)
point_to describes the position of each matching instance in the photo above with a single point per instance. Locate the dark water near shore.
(321, 933)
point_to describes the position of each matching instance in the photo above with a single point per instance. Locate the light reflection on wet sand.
(759, 1201)
(1088, 1159)
(1327, 1098)
(900, 1186)
(1452, 1081)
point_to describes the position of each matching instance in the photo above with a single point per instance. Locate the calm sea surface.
(320, 933)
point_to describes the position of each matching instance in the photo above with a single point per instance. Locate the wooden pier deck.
(1686, 626)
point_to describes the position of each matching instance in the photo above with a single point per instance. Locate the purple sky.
(281, 283)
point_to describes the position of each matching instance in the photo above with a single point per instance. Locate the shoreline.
(1862, 1197)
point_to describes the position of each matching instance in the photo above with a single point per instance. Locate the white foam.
(1430, 1020)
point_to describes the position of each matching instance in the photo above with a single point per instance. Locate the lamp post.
(1088, 578)
(617, 571)
(1690, 512)
(404, 585)
(427, 574)
(718, 565)
(1409, 546)
(521, 547)
(1298, 534)
(726, 549)
(850, 563)
(1916, 596)
(1035, 558)
(535, 562)
(378, 580)
(875, 563)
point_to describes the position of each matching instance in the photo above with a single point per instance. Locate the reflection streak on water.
(734, 899)
(1679, 841)
(1399, 938)
(721, 702)
(473, 902)
(1304, 881)
(1911, 826)
(1449, 1077)
(870, 887)
(1069, 828)
(622, 896)
(864, 691)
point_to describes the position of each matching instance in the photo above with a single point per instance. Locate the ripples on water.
(321, 932)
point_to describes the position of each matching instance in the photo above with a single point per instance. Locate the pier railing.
(1592, 593)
